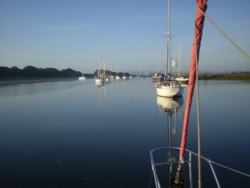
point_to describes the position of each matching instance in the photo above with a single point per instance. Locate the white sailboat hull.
(182, 79)
(81, 78)
(98, 81)
(169, 89)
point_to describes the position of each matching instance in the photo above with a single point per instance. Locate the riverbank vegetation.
(30, 72)
(226, 76)
(223, 76)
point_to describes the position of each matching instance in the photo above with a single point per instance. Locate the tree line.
(34, 72)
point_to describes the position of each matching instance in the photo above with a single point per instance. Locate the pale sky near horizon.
(128, 34)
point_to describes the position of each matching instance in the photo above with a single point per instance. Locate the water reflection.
(82, 146)
(171, 106)
(29, 87)
(183, 85)
(101, 92)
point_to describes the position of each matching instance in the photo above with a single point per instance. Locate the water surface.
(73, 133)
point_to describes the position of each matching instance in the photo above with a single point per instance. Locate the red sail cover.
(202, 4)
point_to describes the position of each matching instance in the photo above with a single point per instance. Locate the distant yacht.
(81, 78)
(99, 78)
(117, 77)
(182, 79)
(158, 77)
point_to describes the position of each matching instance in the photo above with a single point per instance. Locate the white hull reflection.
(169, 104)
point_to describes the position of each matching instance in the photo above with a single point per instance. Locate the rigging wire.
(198, 120)
(224, 34)
(198, 96)
(231, 169)
(198, 109)
(198, 100)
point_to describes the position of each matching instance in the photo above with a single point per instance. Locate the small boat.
(182, 79)
(117, 77)
(111, 77)
(107, 79)
(158, 77)
(81, 78)
(99, 78)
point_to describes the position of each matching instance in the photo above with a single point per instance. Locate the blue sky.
(128, 34)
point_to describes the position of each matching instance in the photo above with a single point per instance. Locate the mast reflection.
(170, 106)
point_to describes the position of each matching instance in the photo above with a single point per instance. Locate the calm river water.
(75, 134)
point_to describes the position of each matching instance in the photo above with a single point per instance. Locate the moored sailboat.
(81, 78)
(169, 87)
(99, 79)
(158, 77)
(181, 78)
(117, 77)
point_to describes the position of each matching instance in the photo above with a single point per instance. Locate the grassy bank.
(225, 76)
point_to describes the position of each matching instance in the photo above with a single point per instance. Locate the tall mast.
(99, 64)
(179, 60)
(169, 40)
(199, 21)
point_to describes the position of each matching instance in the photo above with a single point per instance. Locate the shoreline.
(225, 76)
(204, 76)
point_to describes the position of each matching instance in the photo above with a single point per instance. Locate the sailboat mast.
(168, 40)
(179, 61)
(202, 4)
(99, 64)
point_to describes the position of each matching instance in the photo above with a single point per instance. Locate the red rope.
(192, 74)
